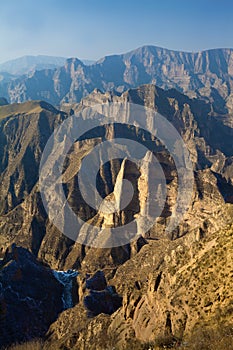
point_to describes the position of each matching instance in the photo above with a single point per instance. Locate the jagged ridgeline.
(148, 278)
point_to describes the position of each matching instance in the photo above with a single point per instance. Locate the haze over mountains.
(28, 64)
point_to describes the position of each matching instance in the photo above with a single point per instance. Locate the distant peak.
(73, 60)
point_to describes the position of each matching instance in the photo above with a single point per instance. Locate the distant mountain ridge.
(207, 74)
(26, 64)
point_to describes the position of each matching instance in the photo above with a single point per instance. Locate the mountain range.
(207, 74)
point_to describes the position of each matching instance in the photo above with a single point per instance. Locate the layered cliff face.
(25, 130)
(207, 74)
(151, 273)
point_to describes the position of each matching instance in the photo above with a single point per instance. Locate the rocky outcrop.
(101, 298)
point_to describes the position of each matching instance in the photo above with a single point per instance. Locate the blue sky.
(91, 29)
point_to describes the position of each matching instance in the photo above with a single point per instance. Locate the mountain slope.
(175, 295)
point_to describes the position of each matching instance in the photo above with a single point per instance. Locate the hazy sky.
(91, 29)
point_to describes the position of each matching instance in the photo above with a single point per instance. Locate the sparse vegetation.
(210, 338)
(203, 338)
(32, 345)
